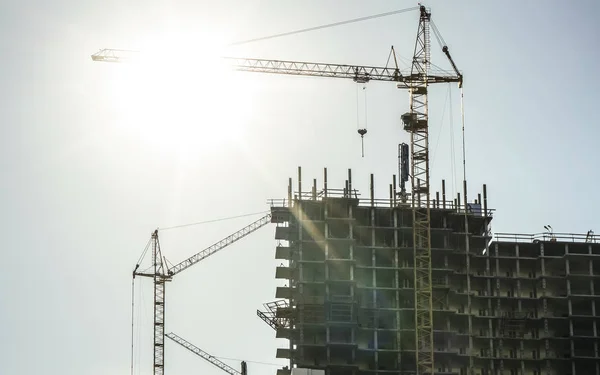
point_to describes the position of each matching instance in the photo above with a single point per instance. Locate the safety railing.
(472, 208)
(282, 202)
(589, 237)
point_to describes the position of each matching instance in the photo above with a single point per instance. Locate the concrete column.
(374, 280)
(398, 286)
(499, 305)
(298, 222)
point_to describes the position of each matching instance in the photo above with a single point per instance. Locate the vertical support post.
(394, 189)
(437, 199)
(485, 214)
(465, 196)
(485, 209)
(300, 183)
(372, 187)
(325, 182)
(468, 264)
(314, 189)
(290, 192)
(444, 194)
(349, 183)
(391, 196)
(397, 273)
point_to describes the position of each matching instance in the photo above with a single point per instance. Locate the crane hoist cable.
(437, 34)
(361, 130)
(137, 265)
(444, 46)
(437, 141)
(142, 255)
(326, 26)
(462, 118)
(213, 220)
(118, 55)
(132, 320)
(452, 147)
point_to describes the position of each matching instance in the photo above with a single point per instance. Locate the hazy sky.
(96, 156)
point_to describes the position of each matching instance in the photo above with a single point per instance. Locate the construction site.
(502, 304)
(414, 282)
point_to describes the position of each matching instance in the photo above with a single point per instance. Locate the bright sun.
(179, 96)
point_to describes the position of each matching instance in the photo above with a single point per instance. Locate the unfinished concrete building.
(512, 304)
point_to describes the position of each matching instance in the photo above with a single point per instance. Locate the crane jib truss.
(204, 355)
(161, 275)
(357, 73)
(415, 122)
(221, 244)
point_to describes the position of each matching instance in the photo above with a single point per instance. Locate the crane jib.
(220, 245)
(357, 73)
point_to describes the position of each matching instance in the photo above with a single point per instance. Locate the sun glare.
(179, 96)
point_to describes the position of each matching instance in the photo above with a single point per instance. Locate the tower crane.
(162, 274)
(207, 357)
(415, 122)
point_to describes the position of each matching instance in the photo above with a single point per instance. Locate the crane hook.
(362, 133)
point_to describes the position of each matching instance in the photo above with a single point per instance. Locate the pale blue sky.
(90, 165)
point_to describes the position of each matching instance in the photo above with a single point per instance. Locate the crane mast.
(417, 126)
(159, 305)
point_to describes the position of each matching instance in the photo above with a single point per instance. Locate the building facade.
(512, 304)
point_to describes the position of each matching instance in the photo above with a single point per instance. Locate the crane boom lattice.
(355, 72)
(114, 55)
(358, 73)
(221, 244)
(202, 354)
